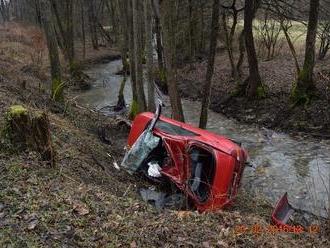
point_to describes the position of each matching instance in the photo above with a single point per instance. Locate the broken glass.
(140, 150)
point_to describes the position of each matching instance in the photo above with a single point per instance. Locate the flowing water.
(297, 165)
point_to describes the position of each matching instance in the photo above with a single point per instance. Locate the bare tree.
(269, 30)
(124, 33)
(57, 84)
(64, 21)
(234, 11)
(285, 26)
(92, 23)
(168, 22)
(253, 85)
(302, 90)
(149, 54)
(210, 67)
(159, 43)
(138, 55)
(324, 38)
(82, 22)
(128, 12)
(4, 10)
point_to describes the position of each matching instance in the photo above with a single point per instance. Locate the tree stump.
(29, 130)
(16, 127)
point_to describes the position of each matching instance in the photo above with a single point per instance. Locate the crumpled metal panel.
(140, 151)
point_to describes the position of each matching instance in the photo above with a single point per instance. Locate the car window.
(173, 129)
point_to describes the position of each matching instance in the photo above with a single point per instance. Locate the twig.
(97, 162)
(128, 188)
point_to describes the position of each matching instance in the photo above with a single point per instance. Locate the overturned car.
(206, 167)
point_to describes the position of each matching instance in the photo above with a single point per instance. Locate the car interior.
(202, 172)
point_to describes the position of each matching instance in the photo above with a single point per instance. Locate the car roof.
(209, 138)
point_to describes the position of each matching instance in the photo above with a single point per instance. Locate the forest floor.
(84, 201)
(275, 111)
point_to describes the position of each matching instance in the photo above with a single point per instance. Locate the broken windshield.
(173, 129)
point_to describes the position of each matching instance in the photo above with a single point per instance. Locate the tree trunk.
(37, 12)
(168, 12)
(302, 91)
(159, 44)
(92, 23)
(134, 103)
(291, 46)
(4, 10)
(124, 36)
(66, 31)
(192, 30)
(324, 48)
(83, 33)
(159, 48)
(138, 56)
(149, 55)
(121, 103)
(210, 67)
(229, 44)
(241, 53)
(254, 87)
(114, 22)
(202, 23)
(57, 85)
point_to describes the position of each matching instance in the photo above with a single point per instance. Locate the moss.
(261, 92)
(303, 89)
(75, 70)
(17, 110)
(57, 90)
(300, 96)
(15, 169)
(134, 109)
(6, 133)
(162, 75)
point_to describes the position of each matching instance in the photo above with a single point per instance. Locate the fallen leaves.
(184, 214)
(80, 208)
(32, 225)
(2, 208)
(32, 221)
(222, 244)
(133, 245)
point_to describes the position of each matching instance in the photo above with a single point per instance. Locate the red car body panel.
(229, 159)
(282, 213)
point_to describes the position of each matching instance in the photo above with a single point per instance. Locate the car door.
(176, 168)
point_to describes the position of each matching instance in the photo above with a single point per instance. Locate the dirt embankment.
(275, 111)
(84, 201)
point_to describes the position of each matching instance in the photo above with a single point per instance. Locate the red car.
(205, 166)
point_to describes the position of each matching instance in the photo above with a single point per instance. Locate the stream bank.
(275, 111)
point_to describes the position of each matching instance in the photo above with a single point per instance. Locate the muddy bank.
(275, 111)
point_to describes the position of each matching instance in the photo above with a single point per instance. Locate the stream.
(297, 165)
